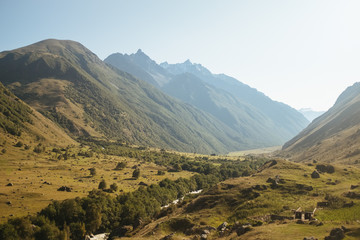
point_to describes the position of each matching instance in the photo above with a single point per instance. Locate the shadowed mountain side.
(282, 115)
(334, 136)
(241, 117)
(74, 88)
(257, 119)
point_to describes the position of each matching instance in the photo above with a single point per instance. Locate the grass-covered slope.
(20, 123)
(13, 113)
(266, 206)
(73, 87)
(334, 136)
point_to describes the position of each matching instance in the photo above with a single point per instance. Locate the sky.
(301, 52)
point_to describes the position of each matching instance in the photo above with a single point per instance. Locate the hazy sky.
(301, 52)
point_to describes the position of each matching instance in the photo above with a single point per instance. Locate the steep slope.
(252, 125)
(259, 121)
(282, 115)
(19, 122)
(334, 136)
(73, 87)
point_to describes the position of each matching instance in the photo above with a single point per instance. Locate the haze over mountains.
(70, 85)
(240, 107)
(334, 136)
(310, 114)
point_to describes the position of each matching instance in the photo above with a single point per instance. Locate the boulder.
(9, 184)
(203, 236)
(222, 227)
(336, 234)
(243, 229)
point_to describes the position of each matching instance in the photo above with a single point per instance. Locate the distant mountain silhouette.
(310, 114)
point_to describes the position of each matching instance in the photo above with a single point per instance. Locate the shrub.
(136, 173)
(120, 166)
(19, 144)
(102, 185)
(92, 171)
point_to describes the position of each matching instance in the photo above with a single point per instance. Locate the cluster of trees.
(101, 212)
(176, 162)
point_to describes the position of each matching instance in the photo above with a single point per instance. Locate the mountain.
(19, 122)
(259, 121)
(70, 85)
(141, 66)
(332, 137)
(310, 114)
(283, 116)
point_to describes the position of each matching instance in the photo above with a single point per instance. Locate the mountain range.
(257, 119)
(129, 100)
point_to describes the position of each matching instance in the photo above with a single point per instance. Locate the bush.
(120, 166)
(136, 173)
(102, 185)
(19, 144)
(92, 171)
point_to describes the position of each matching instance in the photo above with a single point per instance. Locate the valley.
(90, 147)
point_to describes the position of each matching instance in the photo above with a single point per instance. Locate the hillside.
(287, 120)
(259, 121)
(19, 122)
(334, 136)
(262, 207)
(71, 86)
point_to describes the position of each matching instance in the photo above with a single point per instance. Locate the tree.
(120, 166)
(48, 232)
(136, 173)
(77, 230)
(8, 232)
(93, 218)
(102, 185)
(92, 171)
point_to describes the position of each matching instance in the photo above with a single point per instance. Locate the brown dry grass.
(28, 171)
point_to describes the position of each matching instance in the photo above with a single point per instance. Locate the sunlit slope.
(71, 86)
(19, 122)
(334, 136)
